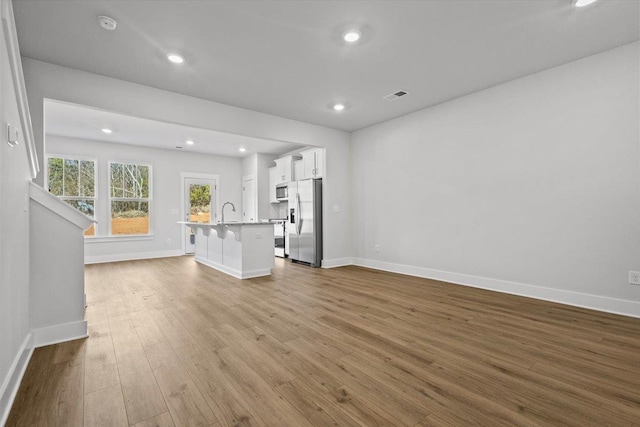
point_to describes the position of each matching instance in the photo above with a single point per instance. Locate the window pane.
(85, 206)
(200, 199)
(87, 179)
(130, 182)
(55, 176)
(129, 217)
(70, 177)
(115, 180)
(143, 172)
(135, 181)
(91, 231)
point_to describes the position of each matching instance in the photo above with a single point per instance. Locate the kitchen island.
(240, 249)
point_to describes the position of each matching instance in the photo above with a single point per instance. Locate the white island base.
(243, 250)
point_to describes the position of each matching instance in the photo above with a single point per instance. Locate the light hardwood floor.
(176, 343)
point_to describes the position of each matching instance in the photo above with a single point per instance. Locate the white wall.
(56, 291)
(265, 209)
(533, 183)
(250, 168)
(166, 187)
(14, 241)
(50, 81)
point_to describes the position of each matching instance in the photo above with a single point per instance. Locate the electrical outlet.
(258, 236)
(634, 277)
(376, 247)
(168, 240)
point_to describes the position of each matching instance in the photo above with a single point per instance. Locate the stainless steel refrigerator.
(305, 221)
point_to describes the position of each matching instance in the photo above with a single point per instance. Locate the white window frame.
(95, 184)
(125, 199)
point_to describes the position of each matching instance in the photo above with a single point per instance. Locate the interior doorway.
(249, 213)
(199, 204)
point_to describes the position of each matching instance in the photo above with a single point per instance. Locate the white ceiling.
(77, 121)
(287, 58)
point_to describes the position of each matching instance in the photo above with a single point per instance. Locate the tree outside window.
(200, 201)
(130, 198)
(74, 181)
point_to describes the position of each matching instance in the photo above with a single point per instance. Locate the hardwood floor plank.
(104, 408)
(161, 354)
(162, 420)
(316, 407)
(586, 380)
(251, 353)
(100, 375)
(65, 402)
(142, 397)
(132, 361)
(394, 407)
(364, 412)
(225, 400)
(272, 409)
(70, 352)
(295, 363)
(438, 391)
(185, 402)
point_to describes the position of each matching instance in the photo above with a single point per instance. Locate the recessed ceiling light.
(351, 36)
(242, 149)
(338, 106)
(107, 131)
(107, 22)
(583, 3)
(174, 57)
(189, 142)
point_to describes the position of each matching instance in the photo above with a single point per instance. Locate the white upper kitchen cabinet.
(298, 170)
(313, 162)
(273, 173)
(284, 169)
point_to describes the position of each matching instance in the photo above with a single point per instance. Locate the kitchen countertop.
(216, 224)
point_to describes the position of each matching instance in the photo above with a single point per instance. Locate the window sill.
(123, 238)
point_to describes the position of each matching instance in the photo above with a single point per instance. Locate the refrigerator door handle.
(299, 221)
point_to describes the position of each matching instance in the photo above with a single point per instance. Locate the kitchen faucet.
(233, 208)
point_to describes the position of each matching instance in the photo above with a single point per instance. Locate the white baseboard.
(232, 271)
(337, 262)
(96, 259)
(59, 333)
(594, 302)
(12, 381)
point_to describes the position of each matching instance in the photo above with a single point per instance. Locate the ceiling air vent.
(395, 95)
